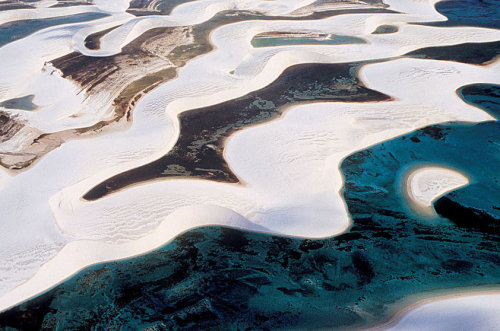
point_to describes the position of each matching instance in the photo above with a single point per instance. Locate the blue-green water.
(480, 13)
(289, 41)
(227, 279)
(23, 103)
(12, 31)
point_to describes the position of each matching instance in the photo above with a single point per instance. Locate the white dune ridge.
(282, 192)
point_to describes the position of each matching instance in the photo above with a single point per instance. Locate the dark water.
(221, 278)
(484, 96)
(477, 205)
(12, 31)
(479, 13)
(471, 53)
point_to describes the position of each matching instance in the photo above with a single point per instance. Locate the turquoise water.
(289, 41)
(215, 277)
(12, 31)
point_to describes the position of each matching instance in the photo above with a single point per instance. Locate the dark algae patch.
(12, 31)
(472, 53)
(199, 149)
(385, 29)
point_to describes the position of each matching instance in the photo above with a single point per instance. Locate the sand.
(461, 311)
(426, 184)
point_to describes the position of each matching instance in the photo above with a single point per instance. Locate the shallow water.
(13, 31)
(23, 103)
(287, 41)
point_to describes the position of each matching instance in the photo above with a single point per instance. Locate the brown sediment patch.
(386, 29)
(153, 7)
(9, 126)
(93, 41)
(199, 149)
(326, 5)
(38, 144)
(125, 77)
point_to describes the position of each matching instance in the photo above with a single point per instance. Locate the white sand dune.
(289, 167)
(463, 311)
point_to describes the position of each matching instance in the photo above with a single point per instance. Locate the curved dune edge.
(472, 310)
(427, 183)
(79, 254)
(66, 204)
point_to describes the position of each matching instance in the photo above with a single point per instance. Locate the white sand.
(429, 183)
(463, 311)
(115, 6)
(289, 167)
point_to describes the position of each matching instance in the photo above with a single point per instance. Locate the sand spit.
(276, 196)
(426, 184)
